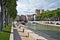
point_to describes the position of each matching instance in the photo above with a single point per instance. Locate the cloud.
(29, 6)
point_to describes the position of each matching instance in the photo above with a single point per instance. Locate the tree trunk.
(1, 17)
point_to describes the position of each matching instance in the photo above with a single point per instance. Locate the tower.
(37, 11)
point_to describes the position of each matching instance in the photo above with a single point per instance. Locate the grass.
(5, 35)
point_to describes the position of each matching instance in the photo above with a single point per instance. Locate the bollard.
(19, 27)
(28, 34)
(23, 29)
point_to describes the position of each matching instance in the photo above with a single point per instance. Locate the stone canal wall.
(50, 23)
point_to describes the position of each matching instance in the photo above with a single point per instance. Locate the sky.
(27, 7)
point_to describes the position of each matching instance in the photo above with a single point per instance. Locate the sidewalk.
(21, 33)
(28, 34)
(23, 36)
(17, 34)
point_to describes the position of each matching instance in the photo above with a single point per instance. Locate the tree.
(50, 15)
(9, 6)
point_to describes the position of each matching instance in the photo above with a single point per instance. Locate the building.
(34, 17)
(38, 11)
(23, 18)
(42, 11)
(31, 17)
(17, 18)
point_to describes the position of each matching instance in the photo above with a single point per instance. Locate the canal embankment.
(27, 34)
(50, 23)
(51, 32)
(20, 32)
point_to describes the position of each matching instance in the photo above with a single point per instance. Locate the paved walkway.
(23, 36)
(17, 34)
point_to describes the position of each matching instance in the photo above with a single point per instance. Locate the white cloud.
(29, 6)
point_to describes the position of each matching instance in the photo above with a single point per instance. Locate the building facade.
(23, 18)
(31, 17)
(38, 11)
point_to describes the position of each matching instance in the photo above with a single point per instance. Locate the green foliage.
(5, 35)
(11, 7)
(55, 14)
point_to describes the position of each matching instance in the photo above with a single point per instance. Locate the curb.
(11, 34)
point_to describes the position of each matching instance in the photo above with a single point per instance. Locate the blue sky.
(25, 7)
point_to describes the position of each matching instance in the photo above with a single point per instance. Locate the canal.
(49, 32)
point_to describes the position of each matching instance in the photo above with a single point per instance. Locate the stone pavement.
(17, 34)
(23, 36)
(21, 33)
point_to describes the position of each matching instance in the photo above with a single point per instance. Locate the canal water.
(50, 32)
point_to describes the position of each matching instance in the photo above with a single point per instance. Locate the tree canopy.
(11, 8)
(54, 14)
